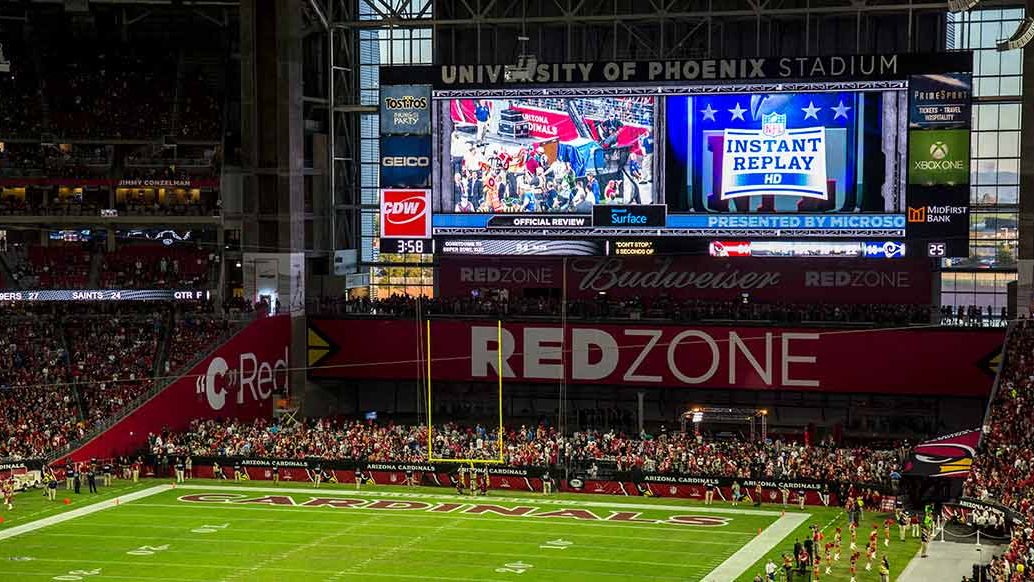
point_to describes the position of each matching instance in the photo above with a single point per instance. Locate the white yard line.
(86, 510)
(486, 499)
(407, 527)
(387, 553)
(294, 550)
(738, 563)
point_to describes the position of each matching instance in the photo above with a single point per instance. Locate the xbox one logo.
(938, 150)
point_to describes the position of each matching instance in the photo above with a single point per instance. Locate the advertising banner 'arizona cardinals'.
(405, 213)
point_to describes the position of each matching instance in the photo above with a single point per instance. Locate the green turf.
(279, 542)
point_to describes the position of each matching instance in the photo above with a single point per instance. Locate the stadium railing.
(157, 386)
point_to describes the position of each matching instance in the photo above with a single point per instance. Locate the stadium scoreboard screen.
(102, 295)
(864, 155)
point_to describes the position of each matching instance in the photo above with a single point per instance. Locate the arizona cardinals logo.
(947, 456)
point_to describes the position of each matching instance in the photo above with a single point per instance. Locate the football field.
(207, 530)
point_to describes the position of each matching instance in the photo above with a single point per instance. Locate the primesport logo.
(260, 379)
(405, 213)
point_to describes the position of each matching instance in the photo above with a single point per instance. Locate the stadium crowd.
(684, 310)
(58, 267)
(530, 445)
(65, 371)
(1003, 472)
(147, 266)
(72, 266)
(38, 411)
(112, 358)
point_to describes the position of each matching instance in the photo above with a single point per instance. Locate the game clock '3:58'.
(407, 246)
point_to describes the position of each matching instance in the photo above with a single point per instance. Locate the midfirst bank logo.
(917, 214)
(251, 376)
(943, 213)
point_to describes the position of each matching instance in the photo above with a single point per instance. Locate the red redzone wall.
(236, 380)
(932, 362)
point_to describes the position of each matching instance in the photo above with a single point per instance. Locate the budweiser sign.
(612, 274)
(706, 278)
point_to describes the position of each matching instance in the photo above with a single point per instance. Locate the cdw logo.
(405, 213)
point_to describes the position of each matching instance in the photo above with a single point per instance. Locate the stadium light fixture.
(1019, 39)
(962, 5)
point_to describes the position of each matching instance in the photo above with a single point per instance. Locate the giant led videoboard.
(810, 148)
(820, 152)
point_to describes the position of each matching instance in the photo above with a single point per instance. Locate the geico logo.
(406, 161)
(404, 211)
(260, 379)
(406, 102)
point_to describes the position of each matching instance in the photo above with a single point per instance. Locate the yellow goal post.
(430, 427)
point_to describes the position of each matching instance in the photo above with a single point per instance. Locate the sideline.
(86, 510)
(738, 563)
(487, 499)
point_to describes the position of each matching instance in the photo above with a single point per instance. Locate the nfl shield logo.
(394, 478)
(773, 124)
(673, 490)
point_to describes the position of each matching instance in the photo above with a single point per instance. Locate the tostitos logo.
(251, 377)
